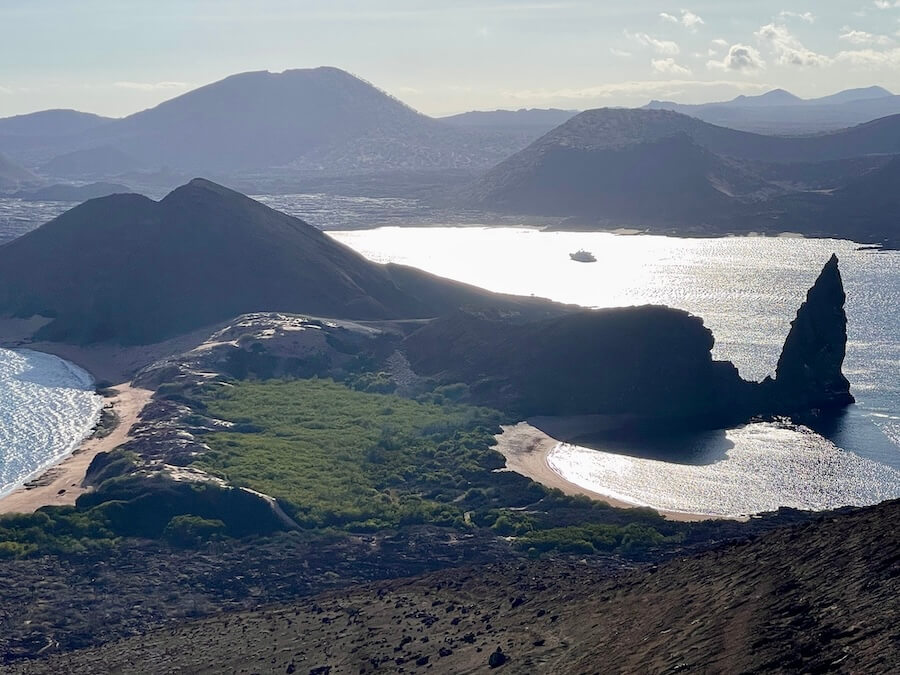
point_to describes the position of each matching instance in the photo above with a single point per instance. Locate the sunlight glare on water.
(747, 290)
(47, 406)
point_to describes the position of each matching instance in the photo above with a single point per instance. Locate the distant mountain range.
(651, 167)
(149, 270)
(781, 112)
(320, 120)
(660, 169)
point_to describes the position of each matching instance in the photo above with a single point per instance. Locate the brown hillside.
(819, 598)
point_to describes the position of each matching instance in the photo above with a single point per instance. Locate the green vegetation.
(360, 461)
(336, 457)
(192, 530)
(63, 529)
(338, 460)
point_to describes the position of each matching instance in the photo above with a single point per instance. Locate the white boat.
(582, 256)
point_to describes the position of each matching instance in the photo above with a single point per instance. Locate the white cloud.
(687, 19)
(740, 58)
(664, 47)
(151, 86)
(808, 17)
(861, 37)
(669, 66)
(690, 20)
(788, 50)
(621, 53)
(870, 58)
(719, 42)
(5, 90)
(887, 4)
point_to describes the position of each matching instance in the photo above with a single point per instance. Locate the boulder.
(497, 659)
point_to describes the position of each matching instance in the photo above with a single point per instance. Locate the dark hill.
(659, 168)
(128, 269)
(35, 137)
(13, 176)
(665, 180)
(869, 206)
(865, 209)
(609, 128)
(818, 598)
(319, 119)
(101, 161)
(770, 98)
(851, 95)
(48, 123)
(631, 362)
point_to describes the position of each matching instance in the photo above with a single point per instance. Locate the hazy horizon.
(445, 58)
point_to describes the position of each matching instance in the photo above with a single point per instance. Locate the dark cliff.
(637, 364)
(648, 362)
(809, 370)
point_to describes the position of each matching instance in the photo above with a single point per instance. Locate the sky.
(115, 57)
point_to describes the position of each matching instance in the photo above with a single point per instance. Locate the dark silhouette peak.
(777, 96)
(828, 288)
(203, 185)
(148, 270)
(809, 374)
(292, 74)
(214, 204)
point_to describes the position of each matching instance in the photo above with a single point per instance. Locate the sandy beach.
(526, 448)
(60, 485)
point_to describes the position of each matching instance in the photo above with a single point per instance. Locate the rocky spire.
(809, 374)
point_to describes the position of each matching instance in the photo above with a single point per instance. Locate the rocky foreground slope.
(818, 598)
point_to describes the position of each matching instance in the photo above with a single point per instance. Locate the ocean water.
(18, 216)
(47, 407)
(747, 290)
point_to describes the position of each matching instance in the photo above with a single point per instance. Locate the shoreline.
(526, 450)
(61, 483)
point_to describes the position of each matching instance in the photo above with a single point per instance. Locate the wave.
(47, 408)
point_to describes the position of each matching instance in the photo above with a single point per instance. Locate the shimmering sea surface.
(18, 216)
(47, 407)
(747, 290)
